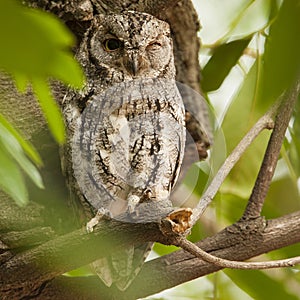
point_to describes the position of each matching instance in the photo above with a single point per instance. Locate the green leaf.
(27, 146)
(37, 45)
(50, 109)
(64, 69)
(52, 27)
(294, 152)
(196, 178)
(219, 17)
(163, 249)
(9, 143)
(28, 48)
(294, 145)
(34, 42)
(80, 272)
(260, 286)
(282, 188)
(289, 251)
(11, 179)
(221, 62)
(229, 207)
(251, 20)
(281, 63)
(197, 232)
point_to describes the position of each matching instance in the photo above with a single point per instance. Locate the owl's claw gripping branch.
(101, 213)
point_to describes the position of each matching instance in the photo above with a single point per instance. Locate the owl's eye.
(112, 44)
(154, 46)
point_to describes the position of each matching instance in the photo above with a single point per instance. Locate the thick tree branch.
(69, 252)
(58, 256)
(240, 241)
(269, 163)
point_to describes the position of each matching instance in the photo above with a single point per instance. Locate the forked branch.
(283, 114)
(265, 122)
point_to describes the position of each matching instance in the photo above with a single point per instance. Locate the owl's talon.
(133, 201)
(101, 212)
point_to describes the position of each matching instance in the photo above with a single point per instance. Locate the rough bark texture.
(40, 242)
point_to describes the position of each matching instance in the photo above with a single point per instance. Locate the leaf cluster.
(36, 47)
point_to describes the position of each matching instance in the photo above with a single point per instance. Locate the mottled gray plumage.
(126, 130)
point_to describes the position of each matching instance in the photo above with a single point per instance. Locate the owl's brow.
(111, 34)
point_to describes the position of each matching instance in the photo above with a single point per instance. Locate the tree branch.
(265, 122)
(233, 264)
(269, 163)
(57, 256)
(240, 241)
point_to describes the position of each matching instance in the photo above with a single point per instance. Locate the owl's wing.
(122, 267)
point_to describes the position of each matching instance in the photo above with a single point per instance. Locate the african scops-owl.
(125, 130)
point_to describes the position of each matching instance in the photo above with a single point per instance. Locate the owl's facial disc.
(132, 45)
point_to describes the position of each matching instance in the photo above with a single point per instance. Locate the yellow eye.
(112, 44)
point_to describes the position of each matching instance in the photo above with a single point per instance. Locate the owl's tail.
(122, 266)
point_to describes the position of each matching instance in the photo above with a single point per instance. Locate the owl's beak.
(135, 66)
(132, 64)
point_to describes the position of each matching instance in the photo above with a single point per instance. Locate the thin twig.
(265, 122)
(267, 169)
(225, 263)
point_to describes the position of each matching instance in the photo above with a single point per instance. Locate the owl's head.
(131, 45)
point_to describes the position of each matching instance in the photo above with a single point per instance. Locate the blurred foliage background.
(249, 56)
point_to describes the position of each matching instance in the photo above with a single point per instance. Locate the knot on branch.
(177, 223)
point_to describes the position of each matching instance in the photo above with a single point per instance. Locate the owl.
(125, 130)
